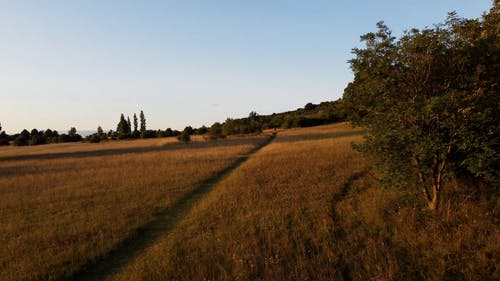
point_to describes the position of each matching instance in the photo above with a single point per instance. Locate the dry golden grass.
(307, 207)
(269, 220)
(72, 147)
(390, 235)
(64, 205)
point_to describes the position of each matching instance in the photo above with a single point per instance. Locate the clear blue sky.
(82, 63)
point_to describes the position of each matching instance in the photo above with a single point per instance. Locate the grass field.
(63, 205)
(307, 207)
(304, 207)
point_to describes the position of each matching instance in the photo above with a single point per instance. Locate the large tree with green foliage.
(429, 101)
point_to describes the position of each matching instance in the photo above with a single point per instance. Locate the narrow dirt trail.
(338, 232)
(163, 223)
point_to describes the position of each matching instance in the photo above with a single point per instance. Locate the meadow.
(305, 207)
(308, 207)
(64, 205)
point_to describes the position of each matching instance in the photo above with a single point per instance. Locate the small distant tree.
(129, 125)
(122, 128)
(25, 133)
(185, 136)
(112, 135)
(94, 138)
(136, 125)
(72, 136)
(202, 130)
(37, 137)
(4, 138)
(148, 134)
(22, 139)
(100, 132)
(230, 127)
(169, 132)
(98, 136)
(143, 121)
(310, 106)
(72, 132)
(189, 130)
(52, 136)
(160, 133)
(275, 122)
(215, 131)
(137, 134)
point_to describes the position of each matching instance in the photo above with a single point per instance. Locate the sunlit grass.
(270, 219)
(72, 147)
(64, 205)
(307, 207)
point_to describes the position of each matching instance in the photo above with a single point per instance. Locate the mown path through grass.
(163, 223)
(338, 232)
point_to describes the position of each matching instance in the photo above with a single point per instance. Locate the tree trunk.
(431, 185)
(421, 179)
(433, 204)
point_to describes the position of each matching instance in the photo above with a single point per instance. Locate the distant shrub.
(69, 138)
(4, 138)
(184, 136)
(136, 134)
(215, 131)
(95, 138)
(20, 140)
(148, 134)
(37, 140)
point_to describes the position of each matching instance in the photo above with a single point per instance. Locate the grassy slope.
(308, 208)
(63, 205)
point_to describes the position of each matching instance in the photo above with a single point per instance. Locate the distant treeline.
(36, 137)
(309, 115)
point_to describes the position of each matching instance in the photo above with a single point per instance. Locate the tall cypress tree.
(143, 121)
(135, 123)
(129, 125)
